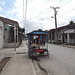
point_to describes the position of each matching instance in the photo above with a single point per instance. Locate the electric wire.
(46, 12)
(66, 13)
(66, 3)
(39, 15)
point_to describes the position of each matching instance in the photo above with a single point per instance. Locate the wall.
(1, 34)
(10, 45)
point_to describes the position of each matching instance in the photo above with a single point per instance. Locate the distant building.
(66, 34)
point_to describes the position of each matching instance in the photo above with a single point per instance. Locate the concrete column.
(48, 36)
(14, 38)
(51, 36)
(74, 38)
(68, 38)
(61, 38)
(17, 34)
(55, 37)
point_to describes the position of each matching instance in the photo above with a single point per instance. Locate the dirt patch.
(3, 63)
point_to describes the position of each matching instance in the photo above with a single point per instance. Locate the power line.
(66, 3)
(39, 15)
(44, 12)
(66, 13)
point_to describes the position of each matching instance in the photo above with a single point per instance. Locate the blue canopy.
(38, 32)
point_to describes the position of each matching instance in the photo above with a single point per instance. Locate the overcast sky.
(38, 13)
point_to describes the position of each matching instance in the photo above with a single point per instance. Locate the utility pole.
(24, 13)
(55, 13)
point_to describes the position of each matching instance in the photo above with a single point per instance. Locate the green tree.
(71, 22)
(40, 30)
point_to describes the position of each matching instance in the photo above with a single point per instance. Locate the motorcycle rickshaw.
(37, 44)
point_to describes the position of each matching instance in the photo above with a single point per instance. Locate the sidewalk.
(19, 64)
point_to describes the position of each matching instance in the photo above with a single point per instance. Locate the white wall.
(1, 34)
(70, 31)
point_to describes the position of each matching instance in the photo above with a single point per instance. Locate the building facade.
(7, 28)
(66, 34)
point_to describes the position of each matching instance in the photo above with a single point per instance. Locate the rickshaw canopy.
(37, 32)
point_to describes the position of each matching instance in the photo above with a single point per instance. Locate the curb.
(42, 68)
(33, 68)
(1, 57)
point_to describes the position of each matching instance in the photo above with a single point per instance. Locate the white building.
(69, 36)
(66, 34)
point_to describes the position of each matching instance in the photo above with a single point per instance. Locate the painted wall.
(6, 32)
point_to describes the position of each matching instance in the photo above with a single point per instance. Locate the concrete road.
(60, 62)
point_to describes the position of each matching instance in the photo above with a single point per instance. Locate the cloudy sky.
(38, 13)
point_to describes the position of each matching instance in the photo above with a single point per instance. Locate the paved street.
(60, 62)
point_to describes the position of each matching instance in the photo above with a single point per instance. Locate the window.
(65, 36)
(0, 28)
(59, 36)
(71, 36)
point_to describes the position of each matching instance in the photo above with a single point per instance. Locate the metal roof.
(37, 32)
